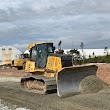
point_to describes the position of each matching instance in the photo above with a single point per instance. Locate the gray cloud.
(72, 21)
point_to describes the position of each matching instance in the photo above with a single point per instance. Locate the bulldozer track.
(34, 86)
(38, 86)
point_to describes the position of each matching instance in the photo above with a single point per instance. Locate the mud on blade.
(68, 79)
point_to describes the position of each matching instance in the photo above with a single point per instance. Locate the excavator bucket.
(69, 78)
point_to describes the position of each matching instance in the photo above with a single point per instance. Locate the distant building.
(90, 52)
(7, 54)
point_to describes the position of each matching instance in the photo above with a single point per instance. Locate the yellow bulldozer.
(20, 62)
(51, 72)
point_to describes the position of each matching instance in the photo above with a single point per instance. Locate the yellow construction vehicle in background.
(20, 62)
(50, 71)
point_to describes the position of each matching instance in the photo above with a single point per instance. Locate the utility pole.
(82, 47)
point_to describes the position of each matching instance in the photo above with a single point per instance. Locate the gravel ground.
(11, 92)
(12, 95)
(9, 106)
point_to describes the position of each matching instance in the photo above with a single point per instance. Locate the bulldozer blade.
(68, 79)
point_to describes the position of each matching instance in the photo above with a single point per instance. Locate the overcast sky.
(72, 21)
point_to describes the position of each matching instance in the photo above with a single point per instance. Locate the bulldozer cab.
(39, 54)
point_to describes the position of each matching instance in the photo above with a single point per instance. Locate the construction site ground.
(11, 92)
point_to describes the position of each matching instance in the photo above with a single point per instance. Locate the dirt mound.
(106, 89)
(103, 72)
(11, 72)
(91, 84)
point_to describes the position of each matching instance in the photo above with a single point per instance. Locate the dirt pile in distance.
(11, 72)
